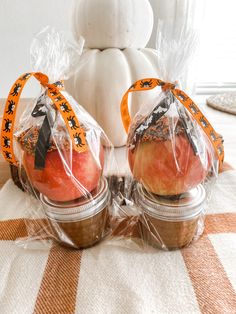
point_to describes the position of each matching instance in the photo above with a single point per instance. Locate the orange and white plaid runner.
(114, 279)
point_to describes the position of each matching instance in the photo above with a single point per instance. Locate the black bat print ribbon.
(75, 131)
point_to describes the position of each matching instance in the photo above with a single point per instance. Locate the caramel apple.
(165, 161)
(67, 174)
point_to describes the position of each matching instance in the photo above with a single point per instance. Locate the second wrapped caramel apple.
(174, 153)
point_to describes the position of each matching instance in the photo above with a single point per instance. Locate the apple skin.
(154, 165)
(55, 183)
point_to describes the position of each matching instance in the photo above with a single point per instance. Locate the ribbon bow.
(185, 100)
(75, 131)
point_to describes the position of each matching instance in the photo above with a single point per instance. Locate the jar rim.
(188, 206)
(79, 209)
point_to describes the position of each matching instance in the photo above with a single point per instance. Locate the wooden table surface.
(224, 124)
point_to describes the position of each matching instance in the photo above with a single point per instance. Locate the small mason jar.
(171, 222)
(83, 222)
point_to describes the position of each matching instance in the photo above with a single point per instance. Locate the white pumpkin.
(113, 23)
(102, 79)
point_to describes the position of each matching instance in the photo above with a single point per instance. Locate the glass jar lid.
(179, 207)
(81, 208)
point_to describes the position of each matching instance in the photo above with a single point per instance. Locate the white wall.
(177, 13)
(19, 21)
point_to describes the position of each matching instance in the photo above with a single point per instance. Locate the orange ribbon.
(76, 132)
(150, 83)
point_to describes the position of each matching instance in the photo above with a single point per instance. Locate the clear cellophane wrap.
(63, 156)
(174, 155)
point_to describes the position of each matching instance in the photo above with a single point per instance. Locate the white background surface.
(19, 22)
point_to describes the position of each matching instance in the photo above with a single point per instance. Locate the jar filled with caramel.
(83, 222)
(170, 222)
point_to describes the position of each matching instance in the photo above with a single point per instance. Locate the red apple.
(154, 164)
(55, 182)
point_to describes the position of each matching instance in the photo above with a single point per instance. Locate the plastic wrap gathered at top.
(174, 155)
(63, 156)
